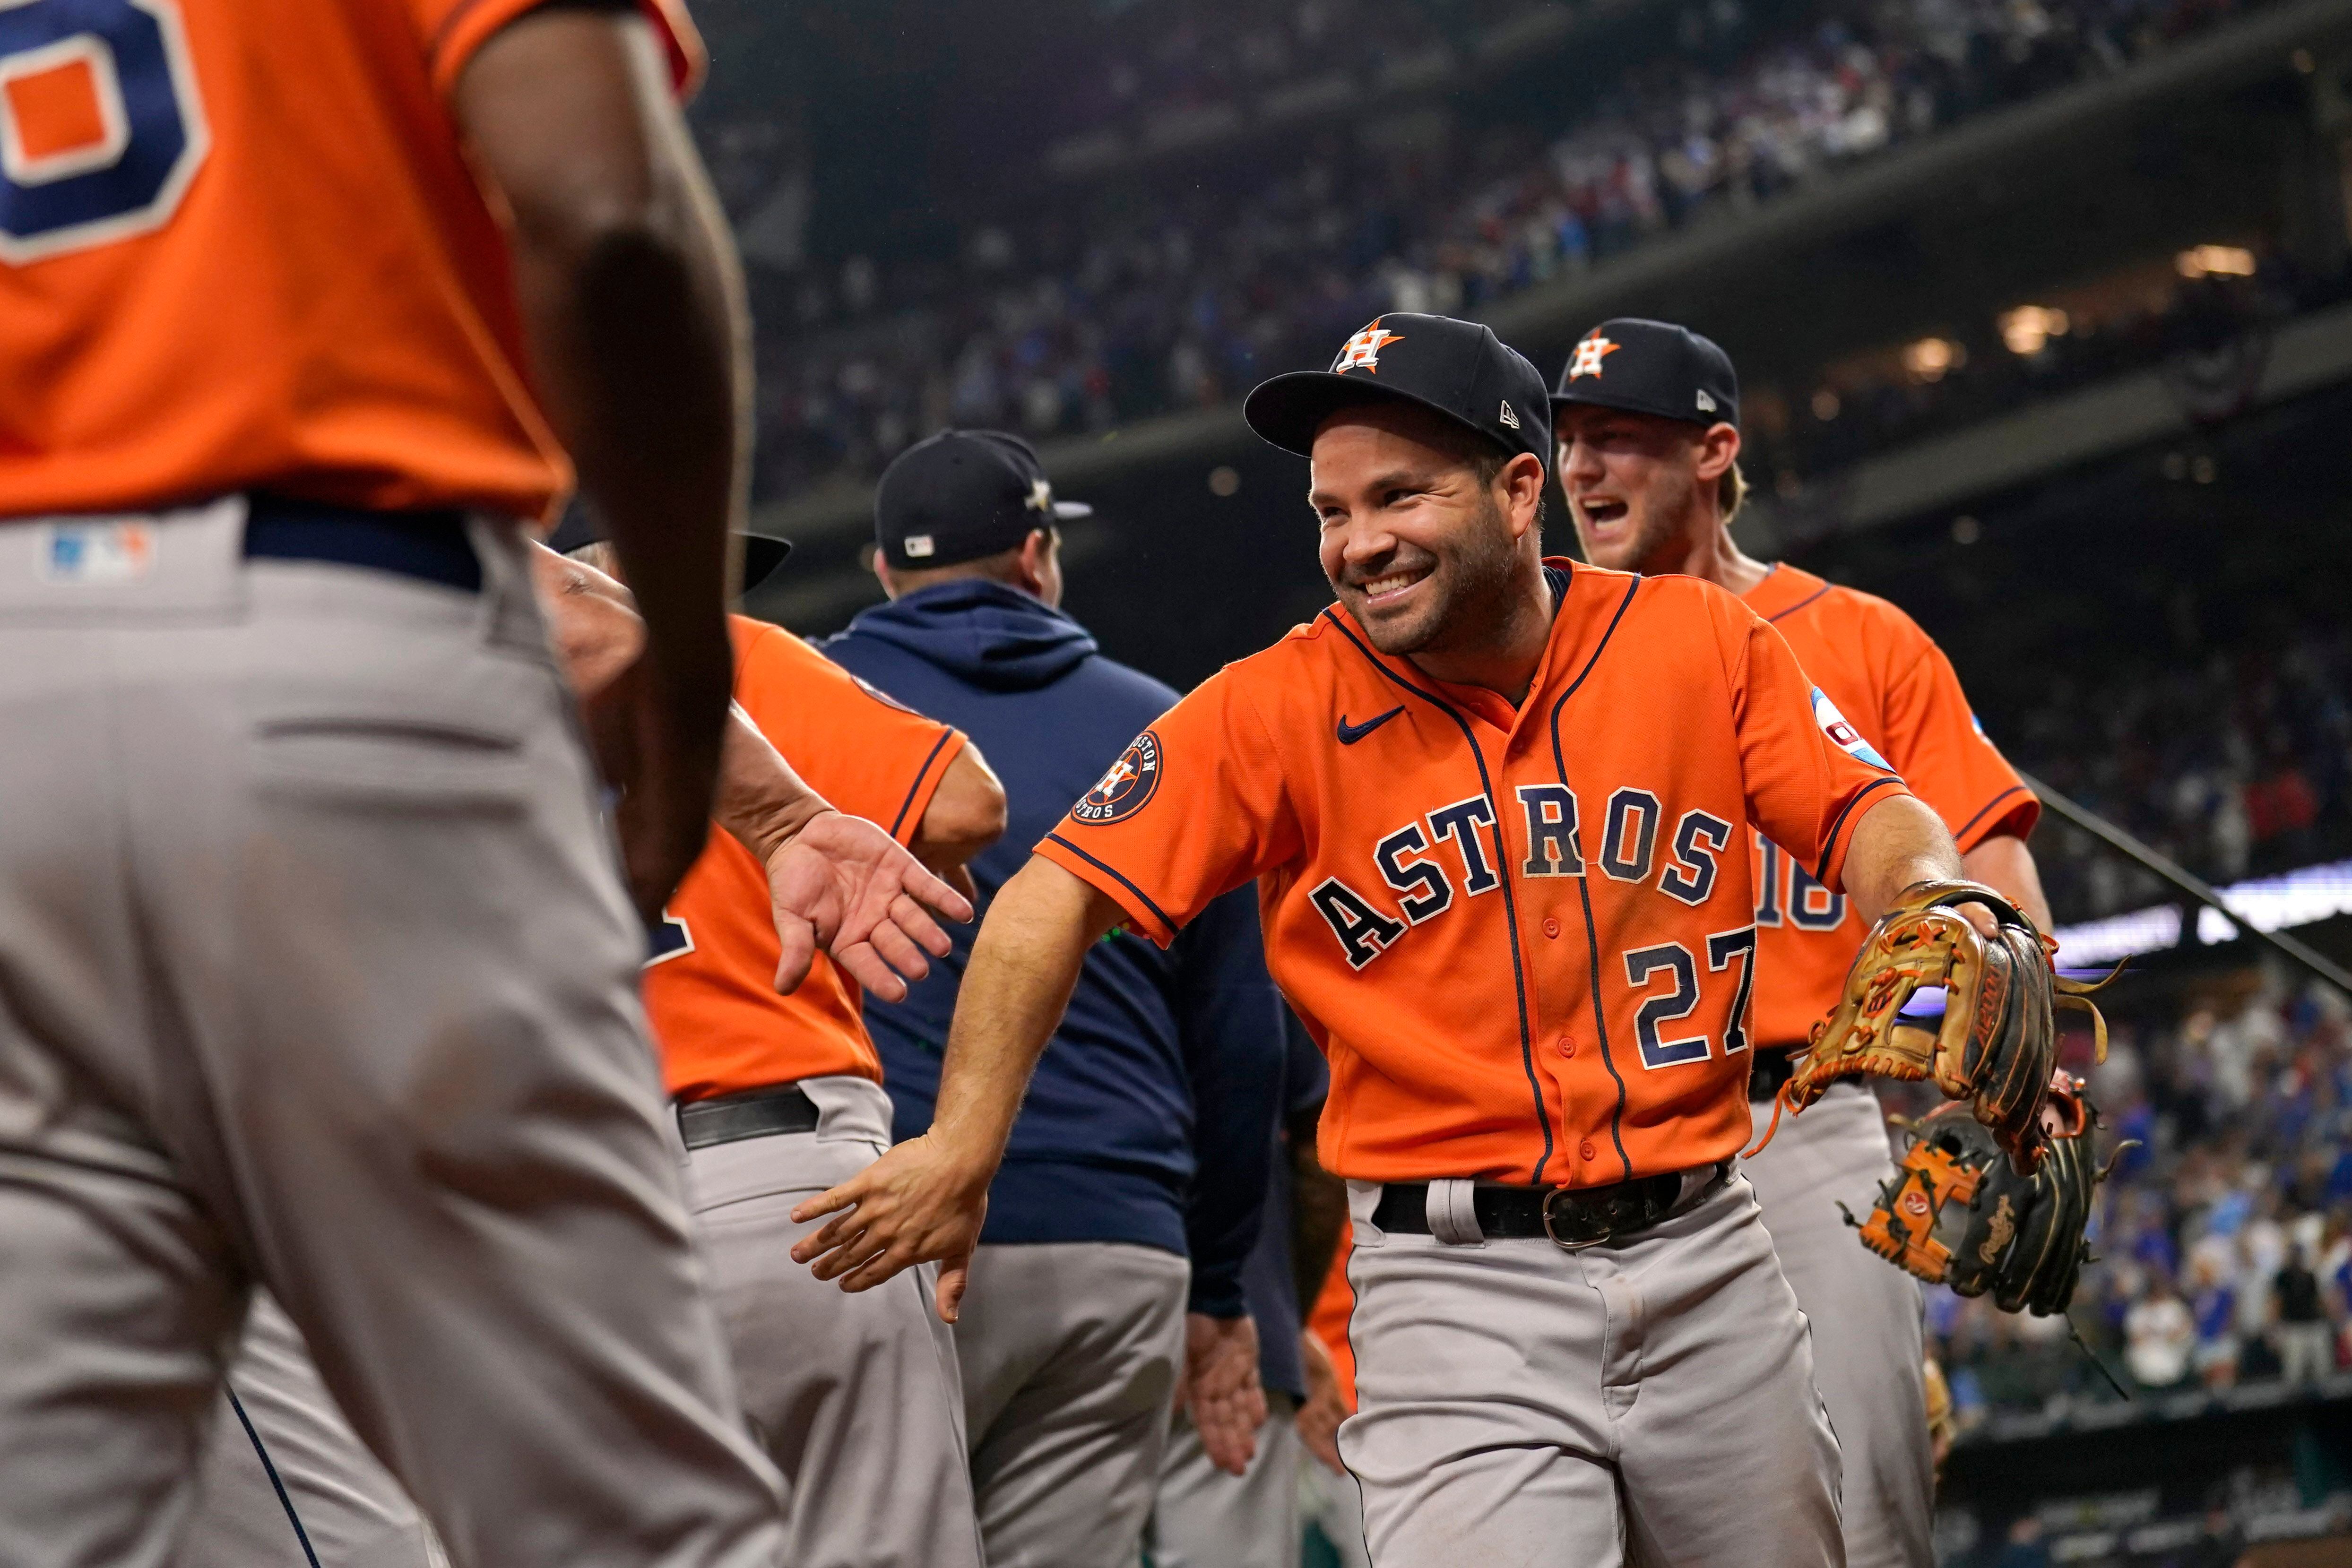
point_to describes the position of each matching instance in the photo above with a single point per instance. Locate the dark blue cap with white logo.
(962, 495)
(1460, 368)
(1650, 367)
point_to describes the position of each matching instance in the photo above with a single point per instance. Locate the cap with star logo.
(1460, 368)
(1650, 367)
(962, 495)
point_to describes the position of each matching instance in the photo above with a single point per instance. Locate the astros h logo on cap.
(1363, 352)
(1588, 355)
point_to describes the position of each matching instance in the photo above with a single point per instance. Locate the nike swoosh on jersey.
(1352, 733)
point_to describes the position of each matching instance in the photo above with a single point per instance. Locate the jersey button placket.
(1565, 1046)
(1584, 1151)
(1551, 927)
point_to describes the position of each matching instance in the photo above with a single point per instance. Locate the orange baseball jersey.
(711, 986)
(241, 248)
(1523, 938)
(1885, 686)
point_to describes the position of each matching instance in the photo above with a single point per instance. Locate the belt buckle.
(1552, 1230)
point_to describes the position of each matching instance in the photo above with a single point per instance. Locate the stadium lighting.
(1930, 358)
(2268, 904)
(2215, 261)
(2026, 328)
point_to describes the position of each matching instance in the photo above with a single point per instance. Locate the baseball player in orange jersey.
(1647, 418)
(317, 970)
(1493, 803)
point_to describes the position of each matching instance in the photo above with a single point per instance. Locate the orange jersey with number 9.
(1892, 697)
(1524, 937)
(241, 248)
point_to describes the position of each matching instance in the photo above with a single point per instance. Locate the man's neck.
(1505, 661)
(1706, 550)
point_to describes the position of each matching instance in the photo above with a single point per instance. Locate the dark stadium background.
(2044, 318)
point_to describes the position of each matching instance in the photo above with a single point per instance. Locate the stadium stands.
(1180, 293)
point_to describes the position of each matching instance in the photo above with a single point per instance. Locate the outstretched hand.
(844, 885)
(1219, 1388)
(1318, 1418)
(917, 1204)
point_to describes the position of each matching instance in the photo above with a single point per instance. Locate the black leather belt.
(754, 1113)
(432, 547)
(1773, 1067)
(1575, 1217)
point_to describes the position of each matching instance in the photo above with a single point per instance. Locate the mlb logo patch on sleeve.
(96, 554)
(1849, 739)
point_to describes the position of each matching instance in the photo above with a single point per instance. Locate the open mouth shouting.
(1603, 514)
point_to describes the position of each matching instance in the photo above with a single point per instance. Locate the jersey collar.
(1784, 589)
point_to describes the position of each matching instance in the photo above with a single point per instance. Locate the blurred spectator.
(2160, 1336)
(2306, 1342)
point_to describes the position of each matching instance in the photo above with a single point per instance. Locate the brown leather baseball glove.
(1955, 1213)
(1998, 1043)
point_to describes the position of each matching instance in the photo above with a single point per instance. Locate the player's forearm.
(633, 310)
(966, 815)
(595, 624)
(1897, 842)
(1025, 964)
(761, 802)
(2003, 863)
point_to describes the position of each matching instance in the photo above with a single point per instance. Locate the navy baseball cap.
(762, 553)
(1651, 367)
(962, 495)
(1460, 368)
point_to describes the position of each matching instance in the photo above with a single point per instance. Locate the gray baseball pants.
(1874, 1385)
(1522, 1405)
(856, 1397)
(1206, 1518)
(315, 973)
(1070, 1354)
(353, 1512)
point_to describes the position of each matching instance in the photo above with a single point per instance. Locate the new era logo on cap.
(1705, 403)
(1509, 417)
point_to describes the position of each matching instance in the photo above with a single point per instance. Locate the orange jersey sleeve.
(1236, 821)
(1523, 936)
(1894, 691)
(710, 990)
(1809, 775)
(244, 250)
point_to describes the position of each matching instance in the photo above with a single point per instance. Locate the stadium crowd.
(2238, 766)
(2226, 1237)
(1112, 304)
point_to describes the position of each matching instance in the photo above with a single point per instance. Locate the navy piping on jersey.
(1502, 865)
(1989, 805)
(916, 787)
(1584, 889)
(1829, 848)
(1808, 599)
(1111, 870)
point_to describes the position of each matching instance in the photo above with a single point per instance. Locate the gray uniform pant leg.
(1519, 1404)
(1334, 1505)
(315, 971)
(1206, 1518)
(354, 1513)
(1863, 1306)
(1070, 1354)
(856, 1397)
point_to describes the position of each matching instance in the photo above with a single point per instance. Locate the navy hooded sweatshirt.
(1152, 1113)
